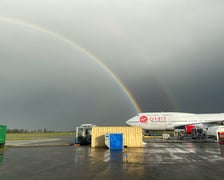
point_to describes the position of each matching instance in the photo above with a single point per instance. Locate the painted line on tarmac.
(16, 143)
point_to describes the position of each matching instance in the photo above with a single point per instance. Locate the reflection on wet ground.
(1, 158)
(156, 161)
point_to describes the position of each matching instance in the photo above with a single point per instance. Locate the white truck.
(213, 131)
(83, 134)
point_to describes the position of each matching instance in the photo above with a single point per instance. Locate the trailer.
(2, 135)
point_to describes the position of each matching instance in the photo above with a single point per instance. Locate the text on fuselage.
(144, 119)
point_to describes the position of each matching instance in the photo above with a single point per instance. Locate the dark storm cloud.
(52, 90)
(168, 53)
(152, 96)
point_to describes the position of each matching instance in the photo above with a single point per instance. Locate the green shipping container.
(2, 135)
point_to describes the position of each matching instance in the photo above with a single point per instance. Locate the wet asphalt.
(157, 160)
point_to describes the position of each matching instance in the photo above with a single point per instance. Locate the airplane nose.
(132, 122)
(128, 122)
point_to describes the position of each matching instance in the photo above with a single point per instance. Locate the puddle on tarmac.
(94, 163)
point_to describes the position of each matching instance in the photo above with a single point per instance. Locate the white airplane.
(175, 120)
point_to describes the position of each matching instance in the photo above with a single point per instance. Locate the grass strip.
(31, 136)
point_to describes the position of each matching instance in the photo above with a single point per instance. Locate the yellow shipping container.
(132, 136)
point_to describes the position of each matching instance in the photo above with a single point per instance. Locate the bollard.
(126, 157)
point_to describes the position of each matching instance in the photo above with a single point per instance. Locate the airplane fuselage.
(173, 120)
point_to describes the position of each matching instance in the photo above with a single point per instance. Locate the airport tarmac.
(187, 160)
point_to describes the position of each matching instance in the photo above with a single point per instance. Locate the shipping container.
(114, 140)
(132, 136)
(2, 135)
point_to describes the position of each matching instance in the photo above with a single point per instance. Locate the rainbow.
(73, 44)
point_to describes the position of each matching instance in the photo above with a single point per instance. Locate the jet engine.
(189, 128)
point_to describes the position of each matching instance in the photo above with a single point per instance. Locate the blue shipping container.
(114, 140)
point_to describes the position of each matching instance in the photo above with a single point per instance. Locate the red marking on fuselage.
(143, 119)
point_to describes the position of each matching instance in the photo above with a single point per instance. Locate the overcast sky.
(61, 61)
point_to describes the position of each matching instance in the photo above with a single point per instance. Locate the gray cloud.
(168, 53)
